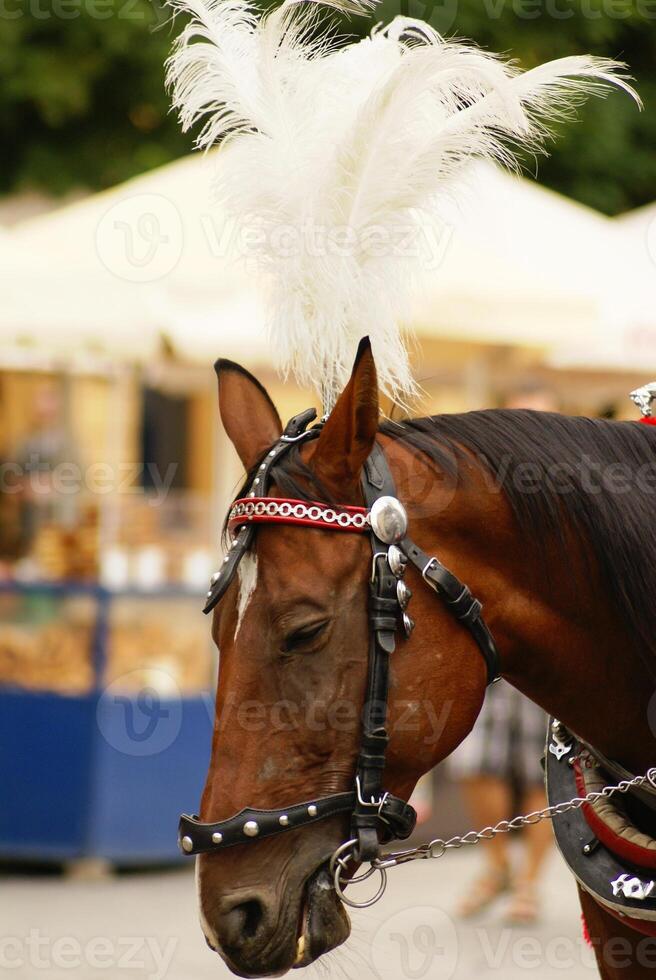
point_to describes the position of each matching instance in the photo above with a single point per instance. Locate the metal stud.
(215, 578)
(262, 466)
(227, 558)
(408, 624)
(396, 560)
(251, 828)
(312, 810)
(256, 481)
(283, 820)
(187, 844)
(403, 594)
(209, 594)
(272, 453)
(389, 519)
(217, 838)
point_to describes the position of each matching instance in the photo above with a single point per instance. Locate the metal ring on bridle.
(338, 865)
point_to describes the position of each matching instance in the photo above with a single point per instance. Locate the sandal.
(484, 891)
(523, 908)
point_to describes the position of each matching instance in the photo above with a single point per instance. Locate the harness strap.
(459, 601)
(377, 816)
(295, 431)
(197, 837)
(377, 481)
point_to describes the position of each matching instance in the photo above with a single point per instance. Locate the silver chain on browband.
(299, 511)
(438, 847)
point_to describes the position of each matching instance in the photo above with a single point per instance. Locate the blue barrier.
(105, 774)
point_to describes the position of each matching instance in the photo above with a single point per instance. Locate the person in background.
(45, 447)
(498, 767)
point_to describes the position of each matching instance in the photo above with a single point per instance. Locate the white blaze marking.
(247, 572)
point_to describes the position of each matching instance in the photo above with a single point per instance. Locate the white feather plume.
(340, 155)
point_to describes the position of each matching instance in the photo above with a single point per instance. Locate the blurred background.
(119, 286)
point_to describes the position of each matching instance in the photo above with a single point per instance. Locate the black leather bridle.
(376, 816)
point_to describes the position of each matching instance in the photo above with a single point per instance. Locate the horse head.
(292, 632)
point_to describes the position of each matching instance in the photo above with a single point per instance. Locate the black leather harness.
(376, 816)
(624, 884)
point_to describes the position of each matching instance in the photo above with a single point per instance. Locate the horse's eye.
(303, 637)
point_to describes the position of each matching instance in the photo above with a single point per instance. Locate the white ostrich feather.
(340, 155)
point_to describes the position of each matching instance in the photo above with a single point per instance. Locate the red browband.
(279, 510)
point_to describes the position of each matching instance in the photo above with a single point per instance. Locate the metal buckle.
(301, 435)
(375, 804)
(377, 554)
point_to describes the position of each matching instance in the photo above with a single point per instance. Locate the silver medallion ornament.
(403, 593)
(396, 561)
(631, 887)
(389, 520)
(560, 744)
(408, 624)
(644, 398)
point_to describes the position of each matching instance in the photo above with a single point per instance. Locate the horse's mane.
(593, 477)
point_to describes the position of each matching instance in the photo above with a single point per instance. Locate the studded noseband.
(376, 816)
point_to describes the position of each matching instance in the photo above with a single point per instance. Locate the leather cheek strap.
(459, 601)
(369, 824)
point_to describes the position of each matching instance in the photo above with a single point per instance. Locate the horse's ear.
(349, 434)
(248, 414)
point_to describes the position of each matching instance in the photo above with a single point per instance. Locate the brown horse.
(549, 520)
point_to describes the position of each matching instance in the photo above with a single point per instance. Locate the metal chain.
(437, 848)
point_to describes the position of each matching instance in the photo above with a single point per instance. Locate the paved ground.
(144, 926)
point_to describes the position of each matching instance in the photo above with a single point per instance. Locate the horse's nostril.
(242, 922)
(253, 914)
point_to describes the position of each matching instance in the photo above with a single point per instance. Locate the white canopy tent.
(607, 264)
(636, 343)
(154, 255)
(152, 250)
(48, 310)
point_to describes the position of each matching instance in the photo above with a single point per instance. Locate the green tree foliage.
(82, 98)
(606, 158)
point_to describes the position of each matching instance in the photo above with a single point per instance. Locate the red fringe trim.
(586, 931)
(648, 421)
